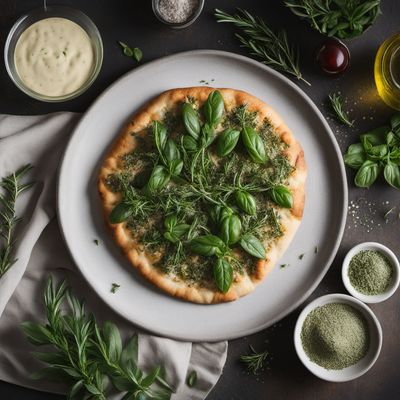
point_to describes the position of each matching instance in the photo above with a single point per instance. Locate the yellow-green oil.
(387, 71)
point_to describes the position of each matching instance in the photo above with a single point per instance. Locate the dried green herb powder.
(335, 336)
(370, 272)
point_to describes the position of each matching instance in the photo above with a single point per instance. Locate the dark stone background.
(133, 21)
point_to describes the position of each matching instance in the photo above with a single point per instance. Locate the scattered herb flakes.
(301, 256)
(191, 379)
(114, 287)
(284, 265)
(135, 53)
(254, 362)
(316, 249)
(96, 242)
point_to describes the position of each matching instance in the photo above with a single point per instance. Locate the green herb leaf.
(355, 156)
(395, 123)
(208, 245)
(254, 145)
(120, 213)
(254, 361)
(189, 143)
(337, 107)
(114, 287)
(227, 141)
(159, 179)
(375, 137)
(252, 246)
(377, 152)
(175, 167)
(223, 275)
(367, 174)
(207, 135)
(392, 175)
(191, 121)
(160, 137)
(246, 202)
(191, 379)
(231, 228)
(171, 151)
(137, 54)
(214, 108)
(170, 222)
(281, 196)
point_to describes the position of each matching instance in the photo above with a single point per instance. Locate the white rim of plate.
(63, 170)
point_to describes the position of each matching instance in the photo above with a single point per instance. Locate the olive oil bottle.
(387, 71)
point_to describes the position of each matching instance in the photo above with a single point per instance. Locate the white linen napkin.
(40, 141)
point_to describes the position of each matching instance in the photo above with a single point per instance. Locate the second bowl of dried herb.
(371, 272)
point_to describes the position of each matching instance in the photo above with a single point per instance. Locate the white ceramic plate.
(139, 301)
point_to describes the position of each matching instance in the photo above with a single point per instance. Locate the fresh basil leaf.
(391, 139)
(281, 196)
(394, 155)
(375, 137)
(214, 108)
(160, 137)
(137, 54)
(170, 222)
(223, 275)
(141, 178)
(191, 121)
(120, 213)
(252, 246)
(207, 245)
(207, 135)
(354, 160)
(227, 141)
(171, 151)
(230, 230)
(395, 123)
(392, 175)
(246, 202)
(254, 145)
(175, 167)
(191, 379)
(377, 152)
(355, 148)
(180, 229)
(367, 174)
(189, 143)
(159, 178)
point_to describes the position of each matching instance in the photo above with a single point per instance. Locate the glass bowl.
(178, 25)
(36, 15)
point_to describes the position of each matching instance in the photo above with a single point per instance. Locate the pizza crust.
(290, 219)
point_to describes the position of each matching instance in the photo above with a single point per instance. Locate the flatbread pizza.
(203, 190)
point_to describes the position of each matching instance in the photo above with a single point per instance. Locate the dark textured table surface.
(133, 21)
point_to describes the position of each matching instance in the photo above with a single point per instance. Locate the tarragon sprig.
(272, 48)
(88, 357)
(12, 188)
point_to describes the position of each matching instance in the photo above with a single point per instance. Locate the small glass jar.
(387, 71)
(53, 11)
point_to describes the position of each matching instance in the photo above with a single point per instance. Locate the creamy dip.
(54, 57)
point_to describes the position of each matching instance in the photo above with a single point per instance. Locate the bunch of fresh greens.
(134, 53)
(12, 187)
(180, 183)
(90, 359)
(273, 49)
(343, 19)
(378, 150)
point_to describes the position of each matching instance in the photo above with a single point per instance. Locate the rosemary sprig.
(12, 187)
(254, 361)
(337, 107)
(89, 358)
(272, 48)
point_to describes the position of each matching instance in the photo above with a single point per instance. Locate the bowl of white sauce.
(53, 54)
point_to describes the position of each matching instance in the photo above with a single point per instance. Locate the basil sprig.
(254, 145)
(377, 151)
(174, 231)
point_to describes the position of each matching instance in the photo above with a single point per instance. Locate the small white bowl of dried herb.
(337, 337)
(371, 272)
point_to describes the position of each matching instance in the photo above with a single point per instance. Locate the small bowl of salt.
(177, 14)
(371, 272)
